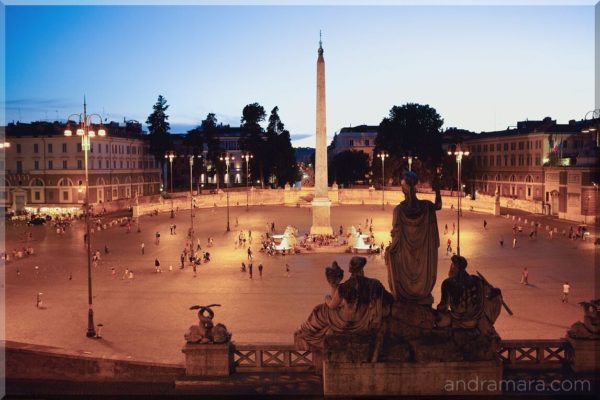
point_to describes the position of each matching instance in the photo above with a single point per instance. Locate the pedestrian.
(18, 272)
(249, 254)
(446, 229)
(126, 274)
(171, 228)
(566, 289)
(250, 270)
(194, 265)
(501, 241)
(170, 268)
(37, 270)
(182, 260)
(484, 224)
(550, 233)
(453, 228)
(70, 276)
(142, 246)
(260, 269)
(243, 268)
(236, 222)
(514, 242)
(38, 302)
(341, 230)
(157, 238)
(287, 270)
(272, 226)
(174, 229)
(157, 265)
(130, 276)
(525, 276)
(113, 274)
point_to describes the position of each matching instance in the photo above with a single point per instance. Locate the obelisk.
(321, 221)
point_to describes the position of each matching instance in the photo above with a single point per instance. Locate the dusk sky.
(482, 67)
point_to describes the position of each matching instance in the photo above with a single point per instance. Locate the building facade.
(553, 165)
(45, 169)
(357, 138)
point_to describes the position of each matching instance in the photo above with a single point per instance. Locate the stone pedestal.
(321, 217)
(409, 378)
(586, 355)
(208, 359)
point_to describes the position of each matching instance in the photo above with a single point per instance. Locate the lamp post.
(85, 130)
(4, 145)
(458, 153)
(170, 156)
(227, 158)
(593, 128)
(410, 161)
(247, 157)
(383, 155)
(191, 157)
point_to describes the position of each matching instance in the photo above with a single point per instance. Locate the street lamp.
(247, 157)
(4, 145)
(383, 155)
(170, 156)
(593, 128)
(410, 161)
(227, 158)
(191, 157)
(458, 153)
(86, 131)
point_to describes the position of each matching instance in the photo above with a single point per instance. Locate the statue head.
(459, 264)
(409, 181)
(334, 274)
(357, 265)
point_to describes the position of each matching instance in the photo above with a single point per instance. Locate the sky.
(482, 68)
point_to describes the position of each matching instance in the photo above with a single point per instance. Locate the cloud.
(300, 136)
(41, 104)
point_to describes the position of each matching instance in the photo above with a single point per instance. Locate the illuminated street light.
(593, 128)
(227, 158)
(383, 155)
(247, 156)
(459, 153)
(170, 156)
(86, 133)
(4, 145)
(191, 158)
(410, 161)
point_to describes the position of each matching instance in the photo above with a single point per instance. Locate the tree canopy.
(349, 167)
(158, 129)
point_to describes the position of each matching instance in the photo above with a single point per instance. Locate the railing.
(514, 354)
(537, 354)
(272, 357)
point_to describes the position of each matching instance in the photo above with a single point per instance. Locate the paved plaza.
(145, 318)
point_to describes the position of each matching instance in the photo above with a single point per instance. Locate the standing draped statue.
(412, 257)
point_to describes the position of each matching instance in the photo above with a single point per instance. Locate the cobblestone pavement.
(145, 318)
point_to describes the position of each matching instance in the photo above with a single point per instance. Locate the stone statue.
(467, 301)
(412, 257)
(590, 327)
(205, 331)
(358, 306)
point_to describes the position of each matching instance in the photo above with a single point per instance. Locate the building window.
(521, 145)
(36, 164)
(479, 148)
(64, 147)
(528, 158)
(538, 160)
(521, 160)
(114, 164)
(65, 164)
(505, 160)
(498, 146)
(35, 148)
(18, 147)
(50, 195)
(106, 148)
(99, 147)
(19, 166)
(49, 147)
(139, 164)
(512, 160)
(485, 147)
(491, 161)
(121, 163)
(128, 150)
(513, 146)
(79, 164)
(107, 164)
(65, 194)
(505, 146)
(50, 164)
(366, 142)
(498, 161)
(79, 147)
(36, 195)
(99, 164)
(351, 143)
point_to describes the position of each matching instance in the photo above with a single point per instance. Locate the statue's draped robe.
(412, 257)
(365, 316)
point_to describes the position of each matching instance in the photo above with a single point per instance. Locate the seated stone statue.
(360, 305)
(468, 302)
(590, 327)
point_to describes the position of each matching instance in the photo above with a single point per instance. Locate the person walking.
(514, 242)
(260, 269)
(182, 260)
(446, 229)
(142, 247)
(157, 265)
(287, 270)
(243, 267)
(194, 266)
(38, 302)
(250, 270)
(157, 235)
(453, 228)
(501, 241)
(249, 254)
(126, 274)
(105, 249)
(525, 276)
(484, 224)
(566, 289)
(171, 228)
(113, 273)
(341, 230)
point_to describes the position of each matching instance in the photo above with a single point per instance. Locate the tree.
(252, 137)
(158, 129)
(350, 166)
(281, 162)
(410, 130)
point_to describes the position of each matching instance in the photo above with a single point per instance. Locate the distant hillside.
(303, 154)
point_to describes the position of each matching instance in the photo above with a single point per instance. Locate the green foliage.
(349, 166)
(158, 127)
(411, 129)
(281, 160)
(252, 137)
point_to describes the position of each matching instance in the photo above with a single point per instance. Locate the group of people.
(250, 268)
